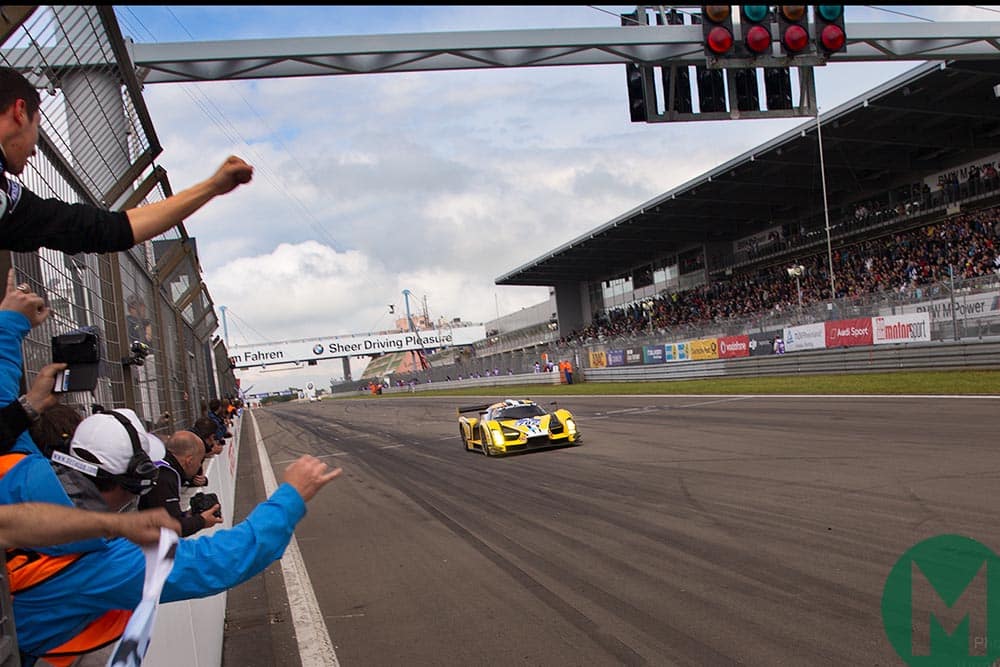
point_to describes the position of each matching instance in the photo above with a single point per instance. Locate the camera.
(80, 350)
(137, 354)
(205, 501)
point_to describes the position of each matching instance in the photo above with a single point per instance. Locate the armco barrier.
(491, 381)
(913, 356)
(190, 632)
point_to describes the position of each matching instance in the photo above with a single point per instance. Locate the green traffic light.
(830, 12)
(755, 12)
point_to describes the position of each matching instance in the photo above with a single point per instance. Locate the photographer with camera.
(185, 452)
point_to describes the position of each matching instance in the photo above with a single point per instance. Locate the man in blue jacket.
(97, 576)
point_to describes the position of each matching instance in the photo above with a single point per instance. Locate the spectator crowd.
(968, 244)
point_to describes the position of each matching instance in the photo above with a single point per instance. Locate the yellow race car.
(515, 426)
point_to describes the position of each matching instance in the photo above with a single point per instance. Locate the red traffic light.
(758, 39)
(833, 38)
(720, 40)
(795, 38)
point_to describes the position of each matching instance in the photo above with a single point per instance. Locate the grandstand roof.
(925, 121)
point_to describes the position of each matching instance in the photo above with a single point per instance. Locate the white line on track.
(315, 647)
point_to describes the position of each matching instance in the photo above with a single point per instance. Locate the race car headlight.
(498, 435)
(571, 425)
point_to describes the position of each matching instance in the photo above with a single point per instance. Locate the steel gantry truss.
(419, 52)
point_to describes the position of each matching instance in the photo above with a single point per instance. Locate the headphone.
(141, 473)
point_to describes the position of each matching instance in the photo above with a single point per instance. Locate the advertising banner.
(598, 359)
(805, 337)
(616, 357)
(734, 346)
(902, 329)
(848, 333)
(676, 351)
(314, 349)
(704, 348)
(653, 354)
(960, 174)
(972, 306)
(633, 356)
(762, 344)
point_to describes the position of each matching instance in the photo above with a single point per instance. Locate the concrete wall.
(190, 632)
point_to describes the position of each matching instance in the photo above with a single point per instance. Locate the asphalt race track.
(685, 530)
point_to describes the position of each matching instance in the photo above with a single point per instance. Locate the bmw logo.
(317, 349)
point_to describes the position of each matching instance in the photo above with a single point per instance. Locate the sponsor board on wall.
(314, 349)
(633, 356)
(598, 359)
(763, 343)
(913, 328)
(704, 348)
(805, 337)
(734, 346)
(676, 352)
(653, 354)
(848, 333)
(616, 357)
(966, 307)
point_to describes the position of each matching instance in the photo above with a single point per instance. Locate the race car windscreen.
(521, 412)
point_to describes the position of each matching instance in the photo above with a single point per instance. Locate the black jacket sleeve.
(13, 421)
(35, 222)
(166, 494)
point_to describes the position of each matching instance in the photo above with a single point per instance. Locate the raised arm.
(44, 524)
(153, 219)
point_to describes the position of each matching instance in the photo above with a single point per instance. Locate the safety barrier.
(191, 632)
(913, 356)
(491, 381)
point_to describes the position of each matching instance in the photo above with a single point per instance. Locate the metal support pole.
(225, 328)
(826, 208)
(954, 317)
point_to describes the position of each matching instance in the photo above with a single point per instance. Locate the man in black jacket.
(185, 451)
(28, 222)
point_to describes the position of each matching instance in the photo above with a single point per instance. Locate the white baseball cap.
(102, 440)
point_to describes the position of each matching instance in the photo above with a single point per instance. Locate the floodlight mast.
(421, 354)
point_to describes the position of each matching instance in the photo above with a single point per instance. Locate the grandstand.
(911, 171)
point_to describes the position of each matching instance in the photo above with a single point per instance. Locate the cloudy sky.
(435, 182)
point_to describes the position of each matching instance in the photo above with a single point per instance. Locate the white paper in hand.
(135, 640)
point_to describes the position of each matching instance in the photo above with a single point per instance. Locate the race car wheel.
(486, 443)
(465, 441)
